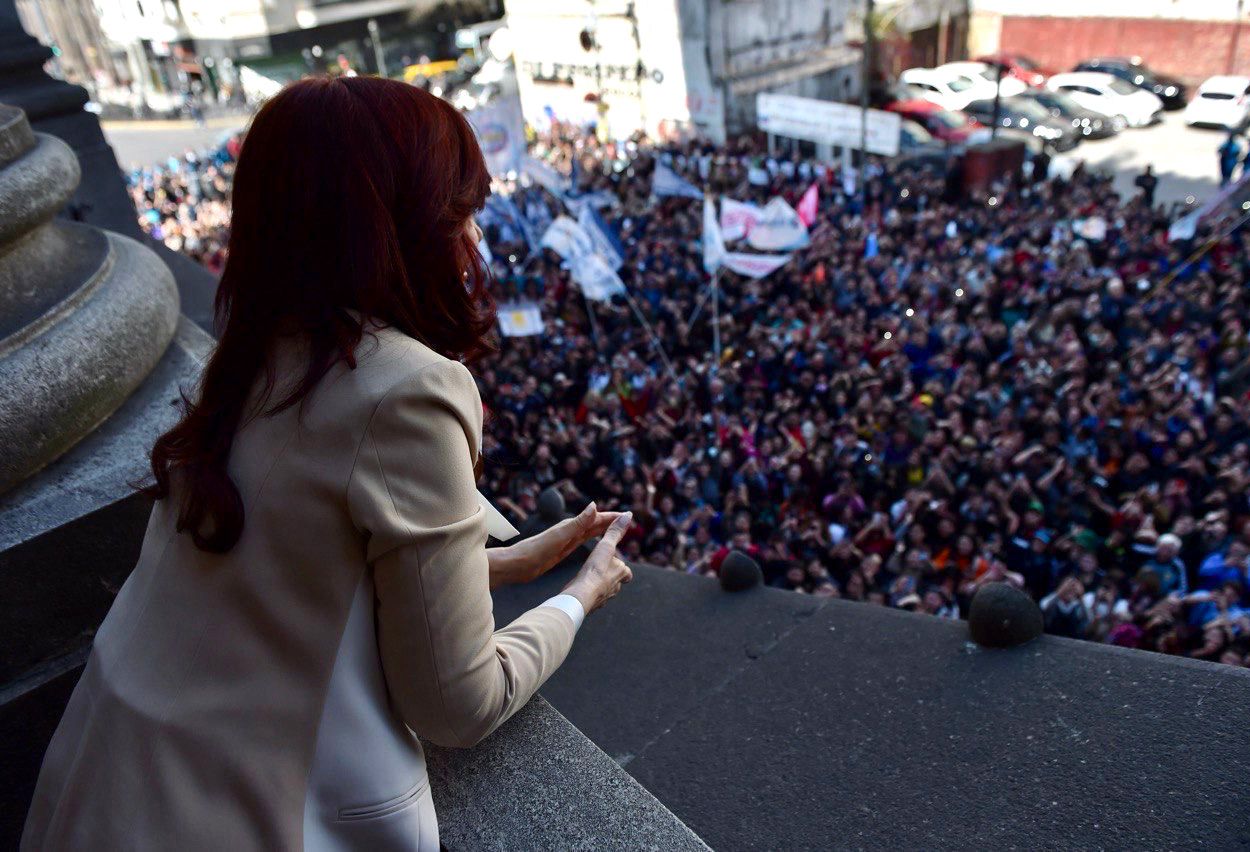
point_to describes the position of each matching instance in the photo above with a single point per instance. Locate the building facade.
(1190, 39)
(668, 67)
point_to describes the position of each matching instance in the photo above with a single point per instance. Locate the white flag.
(598, 280)
(599, 239)
(754, 265)
(1094, 228)
(667, 182)
(545, 176)
(737, 218)
(520, 319)
(1184, 228)
(567, 239)
(713, 245)
(778, 229)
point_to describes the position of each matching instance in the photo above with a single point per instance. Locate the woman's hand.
(603, 573)
(529, 559)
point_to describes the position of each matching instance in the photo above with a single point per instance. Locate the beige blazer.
(267, 698)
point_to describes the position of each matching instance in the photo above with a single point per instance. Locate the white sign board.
(826, 122)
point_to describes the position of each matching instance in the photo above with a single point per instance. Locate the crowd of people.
(944, 389)
(185, 202)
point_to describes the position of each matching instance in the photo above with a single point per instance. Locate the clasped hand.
(529, 559)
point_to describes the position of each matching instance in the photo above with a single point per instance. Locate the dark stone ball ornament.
(739, 572)
(1002, 616)
(551, 506)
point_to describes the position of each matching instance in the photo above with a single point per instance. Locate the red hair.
(350, 194)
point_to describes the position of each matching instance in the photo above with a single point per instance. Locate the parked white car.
(1221, 102)
(1124, 103)
(1009, 87)
(948, 89)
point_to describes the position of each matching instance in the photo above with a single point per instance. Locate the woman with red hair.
(313, 588)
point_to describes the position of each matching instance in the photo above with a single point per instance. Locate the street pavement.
(146, 143)
(1184, 158)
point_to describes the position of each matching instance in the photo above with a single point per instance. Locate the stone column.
(85, 314)
(55, 107)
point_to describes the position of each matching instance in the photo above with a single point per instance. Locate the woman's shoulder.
(389, 361)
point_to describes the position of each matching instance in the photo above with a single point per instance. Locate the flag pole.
(716, 351)
(590, 313)
(704, 294)
(655, 340)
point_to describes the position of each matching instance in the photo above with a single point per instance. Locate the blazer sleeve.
(451, 676)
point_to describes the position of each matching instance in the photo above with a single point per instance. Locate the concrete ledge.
(538, 783)
(772, 720)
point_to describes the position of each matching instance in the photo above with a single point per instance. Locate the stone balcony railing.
(70, 536)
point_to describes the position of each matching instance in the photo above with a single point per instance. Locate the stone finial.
(84, 314)
(1002, 616)
(739, 572)
(551, 506)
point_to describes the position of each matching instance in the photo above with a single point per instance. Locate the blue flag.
(667, 182)
(606, 243)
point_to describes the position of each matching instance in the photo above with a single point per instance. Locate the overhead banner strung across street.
(827, 122)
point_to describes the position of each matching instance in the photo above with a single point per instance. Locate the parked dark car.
(1090, 124)
(1131, 69)
(1028, 118)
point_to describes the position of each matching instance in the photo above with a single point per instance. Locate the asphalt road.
(1184, 158)
(146, 143)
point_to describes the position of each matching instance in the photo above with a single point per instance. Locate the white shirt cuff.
(570, 606)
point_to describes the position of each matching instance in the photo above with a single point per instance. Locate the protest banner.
(778, 229)
(754, 265)
(737, 218)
